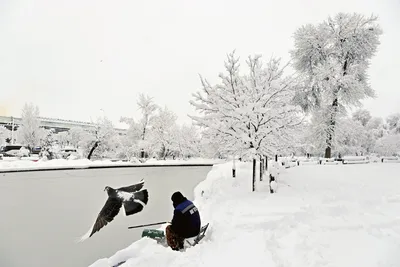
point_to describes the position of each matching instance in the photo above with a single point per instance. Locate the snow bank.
(16, 164)
(357, 158)
(52, 164)
(324, 215)
(183, 161)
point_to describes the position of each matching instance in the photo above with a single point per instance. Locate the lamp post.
(12, 130)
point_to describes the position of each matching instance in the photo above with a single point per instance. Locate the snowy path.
(322, 216)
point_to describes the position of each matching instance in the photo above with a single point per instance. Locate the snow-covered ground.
(322, 215)
(27, 164)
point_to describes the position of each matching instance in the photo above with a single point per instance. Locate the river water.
(44, 213)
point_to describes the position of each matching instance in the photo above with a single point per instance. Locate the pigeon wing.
(106, 215)
(132, 188)
(136, 203)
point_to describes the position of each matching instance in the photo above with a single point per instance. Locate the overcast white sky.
(73, 58)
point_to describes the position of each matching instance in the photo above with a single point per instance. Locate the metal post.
(12, 131)
(271, 179)
(254, 174)
(233, 168)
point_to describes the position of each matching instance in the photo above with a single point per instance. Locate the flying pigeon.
(130, 197)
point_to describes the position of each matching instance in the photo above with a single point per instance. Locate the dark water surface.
(43, 213)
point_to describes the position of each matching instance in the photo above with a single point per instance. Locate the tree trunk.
(165, 154)
(335, 105)
(254, 174)
(332, 124)
(144, 132)
(92, 150)
(261, 168)
(328, 152)
(266, 163)
(272, 178)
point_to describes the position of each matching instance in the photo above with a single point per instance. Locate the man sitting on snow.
(185, 223)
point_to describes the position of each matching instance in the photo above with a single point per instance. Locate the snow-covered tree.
(376, 127)
(188, 141)
(47, 144)
(249, 113)
(148, 108)
(126, 148)
(332, 59)
(393, 122)
(29, 132)
(354, 134)
(316, 134)
(77, 136)
(62, 138)
(216, 144)
(305, 142)
(101, 141)
(130, 144)
(85, 142)
(210, 146)
(302, 142)
(388, 133)
(363, 116)
(4, 134)
(389, 145)
(352, 137)
(164, 132)
(138, 134)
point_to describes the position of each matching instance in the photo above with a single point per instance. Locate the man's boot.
(181, 245)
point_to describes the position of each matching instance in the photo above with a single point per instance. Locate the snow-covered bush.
(23, 152)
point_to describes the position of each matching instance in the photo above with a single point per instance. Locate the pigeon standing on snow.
(129, 196)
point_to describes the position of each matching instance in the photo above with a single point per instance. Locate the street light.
(12, 130)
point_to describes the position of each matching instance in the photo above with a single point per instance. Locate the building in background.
(59, 125)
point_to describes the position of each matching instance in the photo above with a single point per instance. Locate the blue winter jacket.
(186, 221)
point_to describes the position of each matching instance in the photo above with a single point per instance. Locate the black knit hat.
(177, 198)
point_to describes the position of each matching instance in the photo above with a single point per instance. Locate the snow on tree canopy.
(4, 134)
(250, 113)
(393, 122)
(332, 59)
(29, 132)
(164, 131)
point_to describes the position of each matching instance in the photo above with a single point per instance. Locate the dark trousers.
(173, 239)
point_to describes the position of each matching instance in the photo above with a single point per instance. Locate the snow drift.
(322, 215)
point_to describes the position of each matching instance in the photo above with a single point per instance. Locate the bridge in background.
(59, 125)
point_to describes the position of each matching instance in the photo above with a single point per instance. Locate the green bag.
(154, 234)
